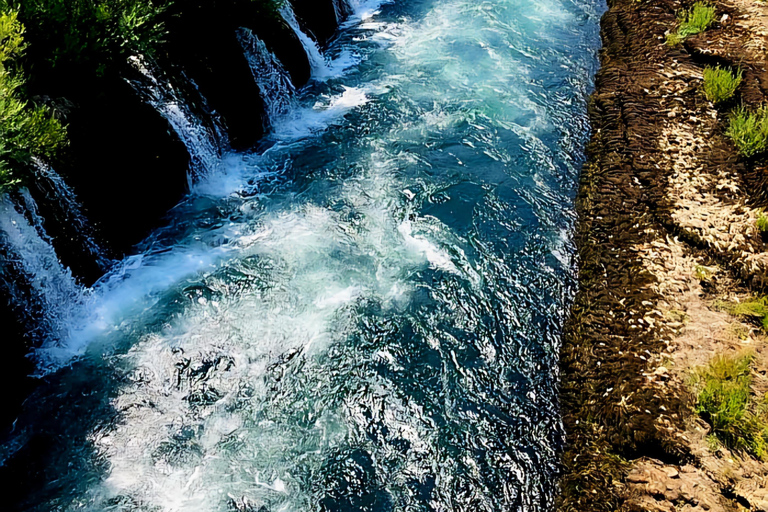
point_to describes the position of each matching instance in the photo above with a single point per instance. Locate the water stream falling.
(341, 9)
(364, 317)
(270, 76)
(47, 290)
(60, 192)
(204, 145)
(316, 60)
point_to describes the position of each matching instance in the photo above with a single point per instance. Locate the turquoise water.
(362, 315)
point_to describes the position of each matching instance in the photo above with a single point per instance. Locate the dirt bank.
(667, 235)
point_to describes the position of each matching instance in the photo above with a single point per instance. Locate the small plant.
(723, 391)
(755, 309)
(704, 273)
(721, 84)
(762, 223)
(675, 315)
(713, 443)
(692, 22)
(740, 331)
(749, 130)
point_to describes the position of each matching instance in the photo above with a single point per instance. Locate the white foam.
(31, 253)
(438, 258)
(364, 10)
(303, 122)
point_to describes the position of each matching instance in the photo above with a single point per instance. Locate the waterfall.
(270, 76)
(71, 209)
(50, 292)
(342, 10)
(316, 61)
(202, 143)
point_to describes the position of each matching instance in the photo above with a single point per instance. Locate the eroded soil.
(667, 233)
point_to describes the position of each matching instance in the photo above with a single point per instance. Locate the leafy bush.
(749, 130)
(90, 32)
(692, 22)
(25, 130)
(721, 84)
(723, 399)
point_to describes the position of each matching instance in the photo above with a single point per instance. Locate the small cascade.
(72, 210)
(270, 76)
(316, 60)
(342, 9)
(37, 279)
(202, 144)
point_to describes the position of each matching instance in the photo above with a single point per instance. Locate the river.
(364, 314)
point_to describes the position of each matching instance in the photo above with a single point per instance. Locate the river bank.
(668, 248)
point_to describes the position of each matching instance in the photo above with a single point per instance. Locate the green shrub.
(721, 84)
(25, 130)
(723, 391)
(90, 33)
(692, 22)
(749, 130)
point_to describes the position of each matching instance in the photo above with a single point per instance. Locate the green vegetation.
(755, 309)
(704, 273)
(721, 84)
(692, 22)
(749, 130)
(762, 223)
(25, 130)
(90, 33)
(723, 398)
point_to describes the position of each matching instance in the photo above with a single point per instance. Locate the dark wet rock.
(14, 377)
(318, 18)
(74, 243)
(202, 44)
(612, 415)
(124, 162)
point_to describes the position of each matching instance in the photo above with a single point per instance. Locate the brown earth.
(667, 233)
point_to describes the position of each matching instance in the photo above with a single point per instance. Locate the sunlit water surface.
(364, 315)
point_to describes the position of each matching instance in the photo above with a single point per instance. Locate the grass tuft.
(762, 223)
(704, 273)
(755, 309)
(692, 22)
(723, 390)
(721, 84)
(749, 130)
